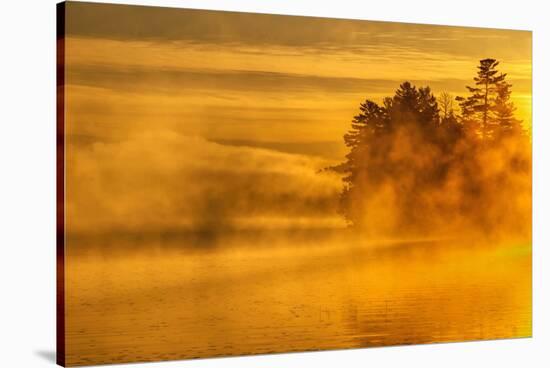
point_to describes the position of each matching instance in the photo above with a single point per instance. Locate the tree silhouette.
(483, 95)
(411, 115)
(445, 101)
(503, 111)
(414, 106)
(364, 141)
(415, 164)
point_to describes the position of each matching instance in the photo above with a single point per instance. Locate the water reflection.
(171, 302)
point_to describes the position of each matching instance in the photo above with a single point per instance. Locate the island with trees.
(418, 164)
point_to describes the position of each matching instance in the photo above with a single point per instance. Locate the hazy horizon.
(235, 183)
(235, 84)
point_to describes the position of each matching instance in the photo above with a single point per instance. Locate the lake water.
(154, 302)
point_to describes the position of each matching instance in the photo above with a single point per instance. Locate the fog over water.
(202, 219)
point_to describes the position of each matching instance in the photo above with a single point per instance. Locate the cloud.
(183, 79)
(170, 80)
(123, 22)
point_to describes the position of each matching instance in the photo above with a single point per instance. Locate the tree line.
(417, 163)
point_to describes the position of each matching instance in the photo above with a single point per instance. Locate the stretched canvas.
(233, 183)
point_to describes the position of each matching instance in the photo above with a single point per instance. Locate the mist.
(412, 171)
(161, 181)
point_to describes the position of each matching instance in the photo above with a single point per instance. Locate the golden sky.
(240, 76)
(148, 86)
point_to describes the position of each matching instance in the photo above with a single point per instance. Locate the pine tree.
(478, 104)
(404, 150)
(467, 116)
(414, 106)
(503, 111)
(362, 139)
(411, 114)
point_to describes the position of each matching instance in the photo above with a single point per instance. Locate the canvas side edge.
(60, 183)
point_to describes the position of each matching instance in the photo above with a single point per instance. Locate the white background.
(27, 181)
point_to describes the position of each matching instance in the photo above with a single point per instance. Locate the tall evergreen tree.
(412, 114)
(414, 106)
(467, 117)
(479, 103)
(363, 140)
(503, 111)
